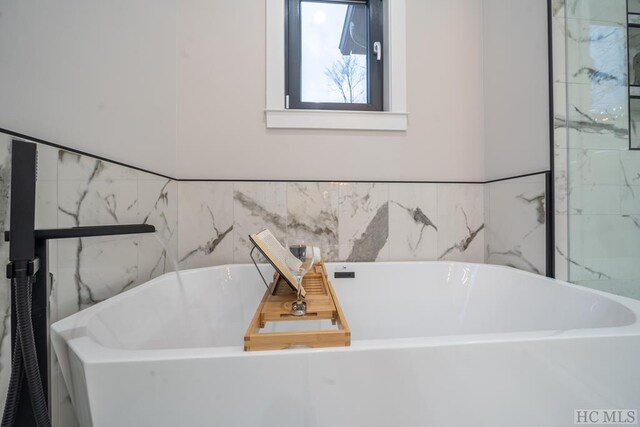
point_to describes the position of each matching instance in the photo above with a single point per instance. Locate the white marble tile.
(364, 222)
(515, 218)
(596, 52)
(256, 206)
(205, 223)
(561, 181)
(601, 10)
(91, 270)
(47, 163)
(413, 222)
(603, 236)
(97, 202)
(562, 247)
(461, 222)
(611, 268)
(594, 167)
(597, 116)
(158, 206)
(630, 165)
(5, 149)
(312, 216)
(560, 115)
(46, 204)
(595, 199)
(582, 138)
(630, 200)
(72, 166)
(558, 34)
(558, 8)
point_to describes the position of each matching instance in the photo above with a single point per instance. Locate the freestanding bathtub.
(433, 344)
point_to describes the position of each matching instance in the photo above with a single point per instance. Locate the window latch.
(377, 49)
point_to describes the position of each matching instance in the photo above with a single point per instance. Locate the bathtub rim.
(72, 329)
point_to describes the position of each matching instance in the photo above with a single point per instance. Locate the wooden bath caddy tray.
(322, 304)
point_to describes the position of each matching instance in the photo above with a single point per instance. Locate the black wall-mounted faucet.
(27, 404)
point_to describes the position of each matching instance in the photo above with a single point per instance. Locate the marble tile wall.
(348, 221)
(77, 190)
(515, 214)
(597, 176)
(207, 223)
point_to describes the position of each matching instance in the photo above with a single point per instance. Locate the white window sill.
(327, 119)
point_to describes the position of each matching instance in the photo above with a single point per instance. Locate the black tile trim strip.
(516, 177)
(551, 198)
(84, 153)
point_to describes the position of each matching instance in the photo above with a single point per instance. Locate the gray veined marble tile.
(594, 167)
(560, 115)
(595, 199)
(92, 192)
(256, 206)
(97, 202)
(93, 269)
(158, 206)
(413, 222)
(602, 237)
(460, 222)
(5, 307)
(562, 247)
(597, 116)
(364, 222)
(205, 223)
(515, 217)
(558, 8)
(5, 148)
(72, 166)
(596, 52)
(312, 216)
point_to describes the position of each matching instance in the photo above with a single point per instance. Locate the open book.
(279, 257)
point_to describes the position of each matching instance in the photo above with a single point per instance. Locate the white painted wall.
(95, 75)
(515, 76)
(178, 87)
(221, 98)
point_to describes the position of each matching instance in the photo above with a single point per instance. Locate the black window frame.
(293, 57)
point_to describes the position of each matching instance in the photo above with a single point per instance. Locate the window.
(392, 116)
(334, 54)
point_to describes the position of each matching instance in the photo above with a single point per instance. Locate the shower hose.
(24, 352)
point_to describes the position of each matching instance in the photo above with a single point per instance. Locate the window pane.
(334, 40)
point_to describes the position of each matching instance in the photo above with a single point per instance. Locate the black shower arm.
(89, 231)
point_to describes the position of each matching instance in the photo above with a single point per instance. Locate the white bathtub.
(433, 344)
